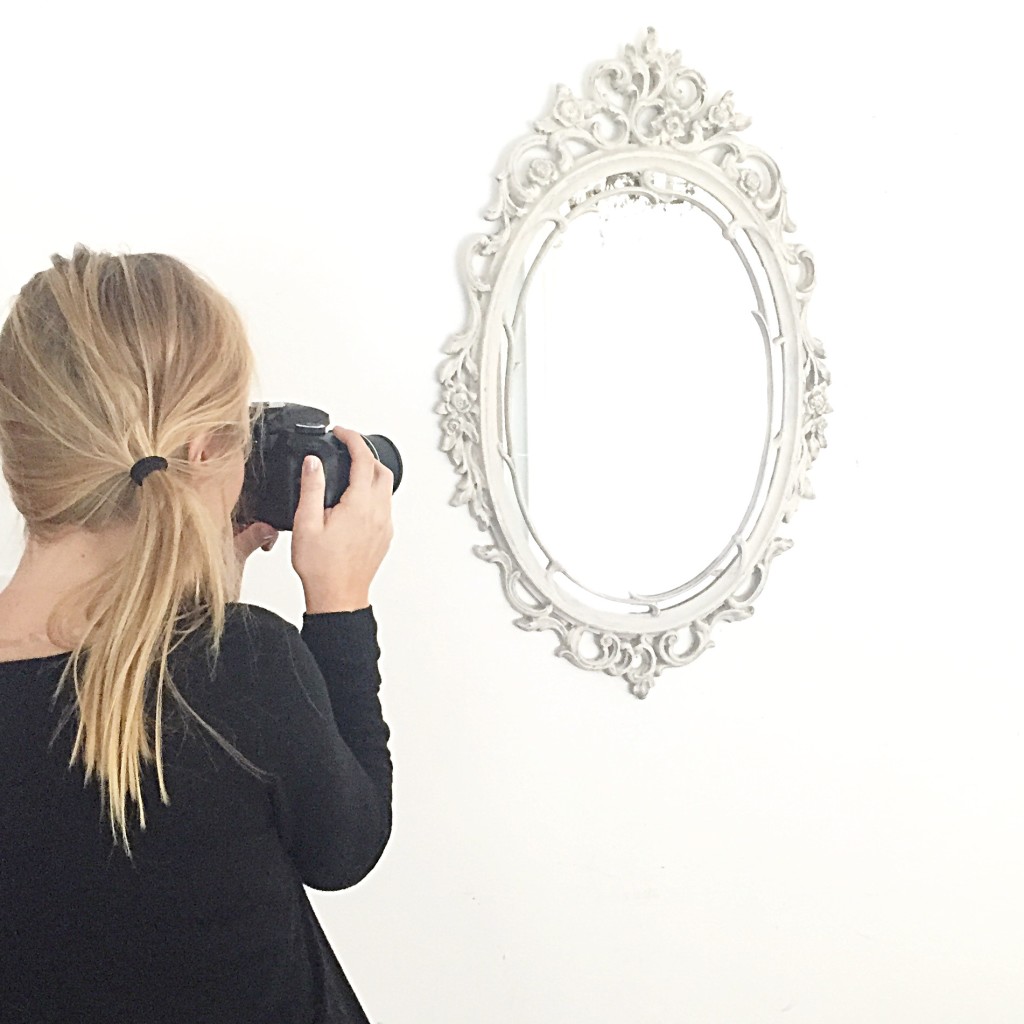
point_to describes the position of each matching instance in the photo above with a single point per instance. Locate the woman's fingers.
(361, 474)
(309, 512)
(255, 535)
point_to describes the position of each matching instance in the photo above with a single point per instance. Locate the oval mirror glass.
(638, 391)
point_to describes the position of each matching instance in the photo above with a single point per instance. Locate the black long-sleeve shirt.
(209, 921)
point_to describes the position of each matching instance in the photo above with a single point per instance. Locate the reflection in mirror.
(638, 388)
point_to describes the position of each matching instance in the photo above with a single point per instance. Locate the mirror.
(635, 401)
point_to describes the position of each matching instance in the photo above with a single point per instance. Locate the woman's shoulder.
(242, 615)
(254, 639)
(257, 630)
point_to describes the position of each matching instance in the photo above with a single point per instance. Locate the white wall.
(821, 819)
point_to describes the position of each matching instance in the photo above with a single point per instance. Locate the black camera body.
(283, 435)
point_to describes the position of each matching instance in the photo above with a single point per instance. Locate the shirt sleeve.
(325, 743)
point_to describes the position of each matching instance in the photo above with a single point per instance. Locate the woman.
(174, 764)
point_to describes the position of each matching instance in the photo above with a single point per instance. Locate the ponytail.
(138, 612)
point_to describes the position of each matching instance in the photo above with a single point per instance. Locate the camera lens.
(387, 454)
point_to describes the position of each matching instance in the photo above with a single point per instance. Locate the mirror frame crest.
(644, 111)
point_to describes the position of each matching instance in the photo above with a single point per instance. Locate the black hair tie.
(145, 466)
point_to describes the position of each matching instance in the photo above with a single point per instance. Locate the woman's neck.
(46, 573)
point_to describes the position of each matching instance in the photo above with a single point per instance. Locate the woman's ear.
(199, 450)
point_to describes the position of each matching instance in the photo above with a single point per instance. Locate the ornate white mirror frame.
(643, 122)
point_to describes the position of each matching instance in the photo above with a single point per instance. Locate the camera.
(283, 434)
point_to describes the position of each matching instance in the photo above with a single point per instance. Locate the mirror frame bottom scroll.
(648, 112)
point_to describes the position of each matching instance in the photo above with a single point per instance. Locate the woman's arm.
(325, 740)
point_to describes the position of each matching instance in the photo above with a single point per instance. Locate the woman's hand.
(255, 535)
(336, 551)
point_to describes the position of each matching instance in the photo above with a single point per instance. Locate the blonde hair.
(104, 359)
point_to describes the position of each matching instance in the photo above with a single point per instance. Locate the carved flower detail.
(457, 397)
(749, 181)
(721, 114)
(817, 405)
(568, 111)
(571, 111)
(542, 171)
(817, 402)
(453, 430)
(672, 126)
(456, 409)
